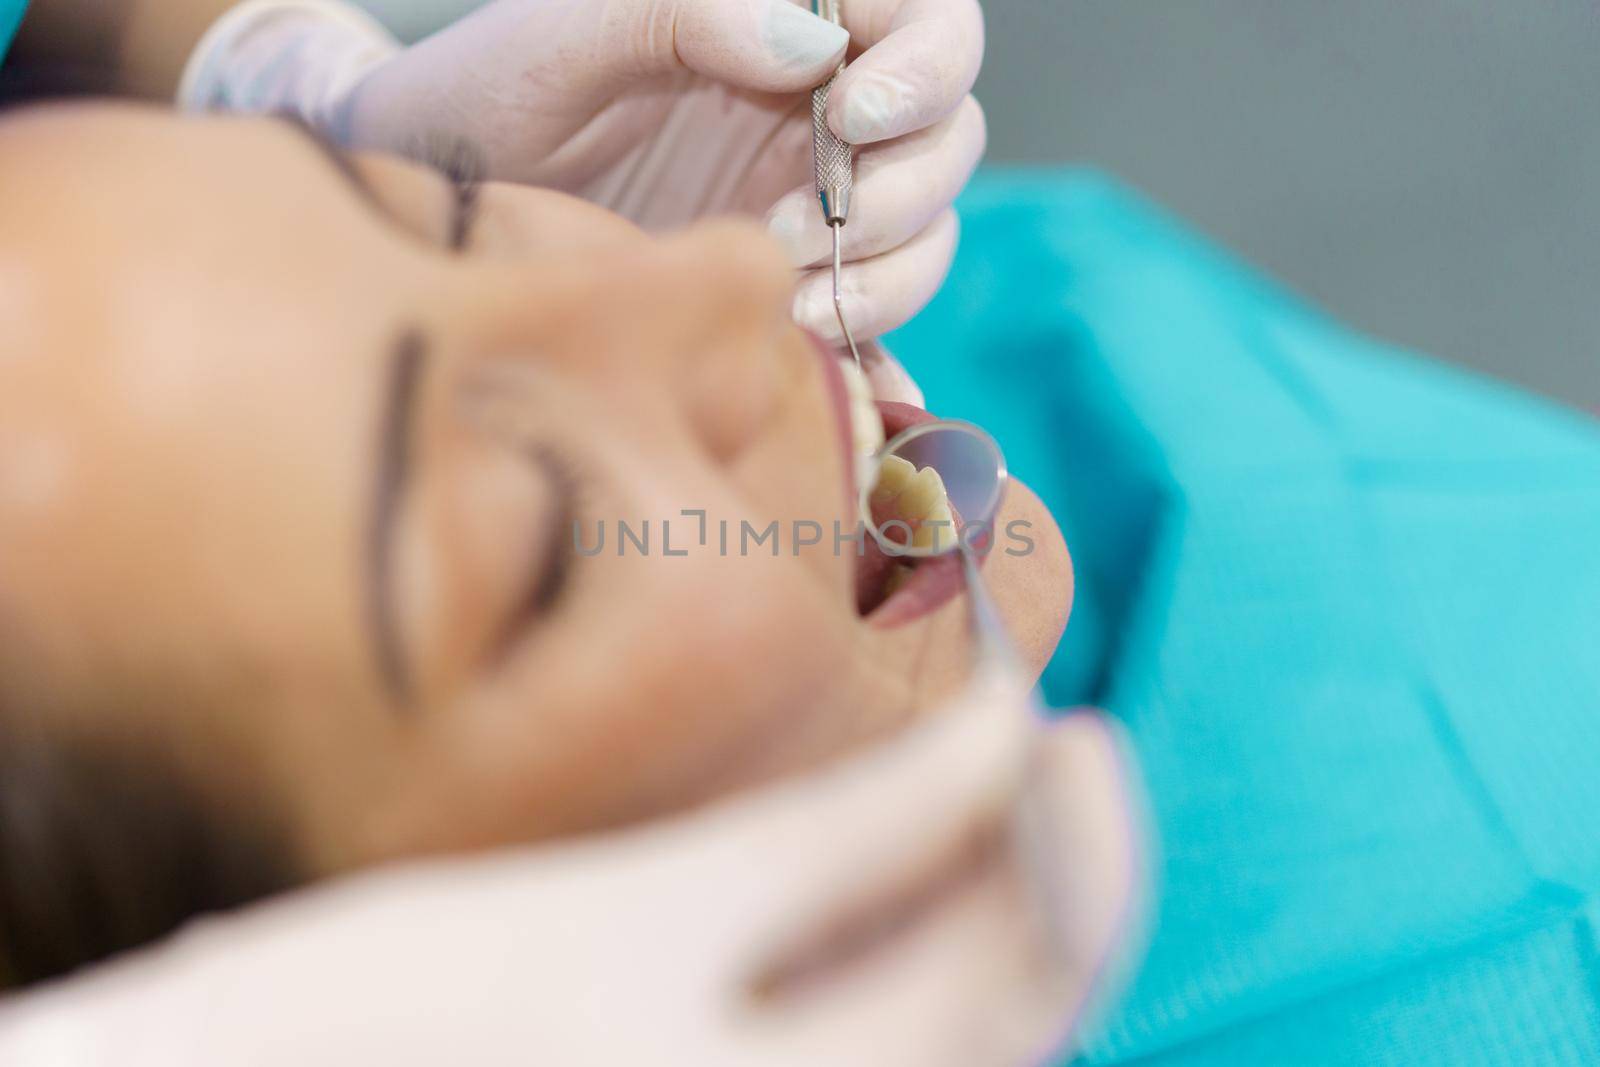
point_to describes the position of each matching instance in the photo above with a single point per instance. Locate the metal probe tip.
(835, 170)
(838, 297)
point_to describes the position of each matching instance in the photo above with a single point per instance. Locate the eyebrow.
(464, 184)
(396, 435)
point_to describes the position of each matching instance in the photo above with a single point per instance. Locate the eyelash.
(559, 468)
(462, 164)
(554, 585)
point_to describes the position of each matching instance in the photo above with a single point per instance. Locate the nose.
(691, 326)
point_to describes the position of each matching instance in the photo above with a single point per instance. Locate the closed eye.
(461, 163)
(551, 577)
(458, 161)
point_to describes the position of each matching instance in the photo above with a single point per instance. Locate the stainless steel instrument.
(835, 171)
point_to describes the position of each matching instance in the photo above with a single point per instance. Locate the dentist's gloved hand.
(671, 110)
(881, 913)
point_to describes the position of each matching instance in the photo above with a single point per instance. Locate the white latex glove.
(672, 110)
(298, 57)
(871, 914)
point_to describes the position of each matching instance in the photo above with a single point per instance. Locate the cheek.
(492, 507)
(711, 662)
(659, 680)
(740, 640)
(672, 678)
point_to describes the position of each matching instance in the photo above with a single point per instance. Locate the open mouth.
(910, 506)
(893, 589)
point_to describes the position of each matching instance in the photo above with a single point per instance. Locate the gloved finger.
(590, 51)
(900, 188)
(774, 46)
(993, 968)
(521, 77)
(922, 57)
(888, 376)
(1094, 861)
(883, 292)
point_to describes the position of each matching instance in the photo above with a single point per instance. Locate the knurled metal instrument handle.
(832, 156)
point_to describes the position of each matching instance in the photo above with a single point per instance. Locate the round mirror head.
(936, 486)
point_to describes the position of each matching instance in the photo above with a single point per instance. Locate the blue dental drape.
(1347, 602)
(10, 16)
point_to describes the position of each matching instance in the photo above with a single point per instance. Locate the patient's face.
(288, 484)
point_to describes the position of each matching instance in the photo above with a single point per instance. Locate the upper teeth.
(914, 497)
(866, 425)
(918, 499)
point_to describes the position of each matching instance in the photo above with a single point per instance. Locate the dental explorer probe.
(835, 172)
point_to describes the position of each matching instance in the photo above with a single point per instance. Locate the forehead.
(186, 374)
(103, 159)
(145, 249)
(84, 187)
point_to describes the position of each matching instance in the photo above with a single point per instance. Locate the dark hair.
(105, 846)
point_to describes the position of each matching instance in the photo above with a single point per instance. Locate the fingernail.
(889, 378)
(798, 39)
(787, 222)
(813, 309)
(871, 109)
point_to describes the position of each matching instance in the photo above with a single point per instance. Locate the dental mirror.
(952, 475)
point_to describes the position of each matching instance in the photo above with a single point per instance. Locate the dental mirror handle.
(994, 643)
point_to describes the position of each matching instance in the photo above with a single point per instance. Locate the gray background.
(1427, 170)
